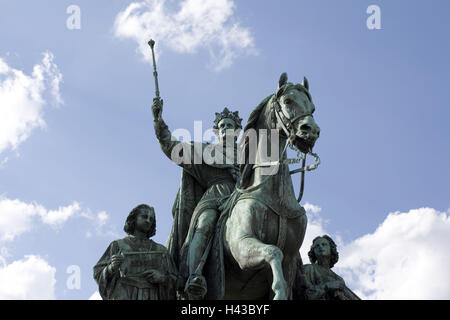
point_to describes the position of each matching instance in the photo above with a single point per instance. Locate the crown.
(227, 114)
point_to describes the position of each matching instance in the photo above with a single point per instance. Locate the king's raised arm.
(179, 152)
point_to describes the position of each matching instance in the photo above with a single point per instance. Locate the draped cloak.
(205, 184)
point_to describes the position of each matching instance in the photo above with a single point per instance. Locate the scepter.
(151, 43)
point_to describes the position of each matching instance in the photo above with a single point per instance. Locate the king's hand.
(157, 107)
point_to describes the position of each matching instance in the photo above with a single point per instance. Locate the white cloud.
(100, 224)
(102, 217)
(29, 278)
(315, 227)
(407, 257)
(95, 296)
(206, 24)
(22, 100)
(16, 217)
(58, 217)
(311, 208)
(32, 277)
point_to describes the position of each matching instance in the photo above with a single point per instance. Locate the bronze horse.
(265, 225)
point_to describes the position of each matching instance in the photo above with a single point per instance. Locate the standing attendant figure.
(136, 267)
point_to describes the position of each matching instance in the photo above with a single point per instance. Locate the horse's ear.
(305, 83)
(283, 80)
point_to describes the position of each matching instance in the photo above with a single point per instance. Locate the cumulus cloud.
(32, 277)
(23, 98)
(102, 217)
(312, 208)
(16, 217)
(407, 257)
(205, 24)
(28, 278)
(95, 296)
(58, 217)
(100, 225)
(316, 227)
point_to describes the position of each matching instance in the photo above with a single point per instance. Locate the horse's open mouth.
(304, 145)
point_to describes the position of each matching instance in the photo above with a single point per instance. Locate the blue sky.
(381, 101)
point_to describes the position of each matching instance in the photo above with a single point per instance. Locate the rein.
(287, 124)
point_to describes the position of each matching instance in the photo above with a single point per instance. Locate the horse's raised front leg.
(250, 252)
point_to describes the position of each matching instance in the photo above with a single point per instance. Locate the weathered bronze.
(264, 225)
(317, 281)
(255, 246)
(204, 186)
(151, 43)
(136, 267)
(238, 225)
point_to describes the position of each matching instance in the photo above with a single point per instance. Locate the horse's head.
(293, 110)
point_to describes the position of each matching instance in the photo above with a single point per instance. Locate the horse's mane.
(246, 167)
(254, 115)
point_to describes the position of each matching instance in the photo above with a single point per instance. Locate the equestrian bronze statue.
(238, 225)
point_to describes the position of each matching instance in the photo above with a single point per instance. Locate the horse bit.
(287, 124)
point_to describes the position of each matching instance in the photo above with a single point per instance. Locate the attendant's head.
(142, 218)
(323, 249)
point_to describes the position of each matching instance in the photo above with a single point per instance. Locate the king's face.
(226, 126)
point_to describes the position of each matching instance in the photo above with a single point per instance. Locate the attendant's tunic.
(316, 278)
(127, 283)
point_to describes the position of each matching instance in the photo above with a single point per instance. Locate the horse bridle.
(287, 124)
